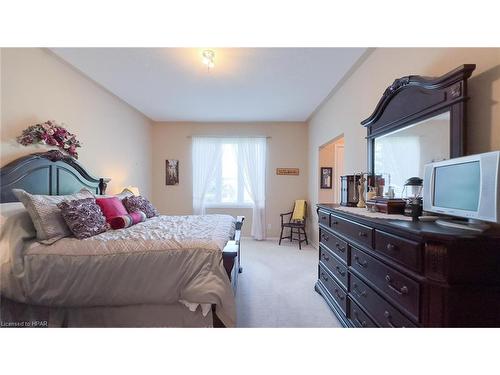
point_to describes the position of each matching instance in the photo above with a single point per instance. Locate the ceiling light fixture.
(208, 58)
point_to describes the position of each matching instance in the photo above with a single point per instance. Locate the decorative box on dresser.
(376, 272)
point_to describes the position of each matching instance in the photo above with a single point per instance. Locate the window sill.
(229, 205)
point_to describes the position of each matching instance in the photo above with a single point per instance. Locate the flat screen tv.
(465, 187)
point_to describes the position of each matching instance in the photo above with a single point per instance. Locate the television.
(465, 187)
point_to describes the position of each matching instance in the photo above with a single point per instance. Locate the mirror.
(417, 120)
(403, 153)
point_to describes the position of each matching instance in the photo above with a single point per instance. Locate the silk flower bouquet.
(52, 134)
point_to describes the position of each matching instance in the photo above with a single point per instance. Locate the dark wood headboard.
(48, 173)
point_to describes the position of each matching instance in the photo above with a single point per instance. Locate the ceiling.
(246, 84)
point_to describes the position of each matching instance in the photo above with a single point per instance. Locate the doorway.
(331, 155)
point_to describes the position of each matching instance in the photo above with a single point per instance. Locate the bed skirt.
(14, 314)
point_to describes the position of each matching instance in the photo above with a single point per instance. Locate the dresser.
(375, 272)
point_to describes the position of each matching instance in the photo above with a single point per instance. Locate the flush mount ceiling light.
(208, 58)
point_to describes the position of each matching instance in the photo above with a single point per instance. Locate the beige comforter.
(160, 261)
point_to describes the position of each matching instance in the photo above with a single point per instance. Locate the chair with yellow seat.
(296, 223)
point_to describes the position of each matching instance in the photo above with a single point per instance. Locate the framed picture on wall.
(326, 178)
(172, 172)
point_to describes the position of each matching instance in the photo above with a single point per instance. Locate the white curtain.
(252, 164)
(206, 154)
(251, 161)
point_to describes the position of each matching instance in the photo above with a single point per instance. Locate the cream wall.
(356, 98)
(37, 86)
(287, 148)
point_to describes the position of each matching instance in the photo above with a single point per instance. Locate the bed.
(169, 271)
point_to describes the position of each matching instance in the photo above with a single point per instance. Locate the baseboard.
(267, 238)
(311, 243)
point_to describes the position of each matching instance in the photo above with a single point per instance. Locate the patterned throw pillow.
(125, 221)
(133, 204)
(84, 217)
(46, 216)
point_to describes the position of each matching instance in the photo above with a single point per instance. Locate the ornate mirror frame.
(412, 99)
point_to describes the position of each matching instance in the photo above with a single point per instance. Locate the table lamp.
(132, 189)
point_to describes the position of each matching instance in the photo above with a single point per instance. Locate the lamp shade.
(133, 189)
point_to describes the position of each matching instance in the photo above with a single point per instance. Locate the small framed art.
(326, 177)
(172, 172)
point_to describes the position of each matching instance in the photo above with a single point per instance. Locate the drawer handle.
(339, 270)
(340, 248)
(325, 257)
(362, 264)
(323, 276)
(391, 247)
(362, 293)
(341, 297)
(362, 234)
(356, 316)
(335, 222)
(403, 290)
(325, 237)
(388, 319)
(323, 217)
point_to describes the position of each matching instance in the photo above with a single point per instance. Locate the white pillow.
(46, 216)
(15, 214)
(16, 227)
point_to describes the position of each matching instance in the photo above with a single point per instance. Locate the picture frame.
(326, 177)
(287, 171)
(171, 172)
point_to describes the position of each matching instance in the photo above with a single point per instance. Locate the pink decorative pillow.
(111, 207)
(125, 221)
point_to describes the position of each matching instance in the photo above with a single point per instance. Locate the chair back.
(299, 211)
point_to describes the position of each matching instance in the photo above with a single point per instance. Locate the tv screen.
(457, 186)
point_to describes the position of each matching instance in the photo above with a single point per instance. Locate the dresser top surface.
(419, 228)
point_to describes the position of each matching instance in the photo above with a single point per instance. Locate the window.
(227, 188)
(231, 172)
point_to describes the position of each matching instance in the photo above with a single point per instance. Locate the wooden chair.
(297, 227)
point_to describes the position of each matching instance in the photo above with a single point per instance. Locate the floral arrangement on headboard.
(52, 134)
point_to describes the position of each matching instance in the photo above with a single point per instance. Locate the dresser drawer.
(358, 317)
(384, 314)
(400, 289)
(324, 218)
(334, 244)
(355, 232)
(406, 252)
(334, 265)
(334, 289)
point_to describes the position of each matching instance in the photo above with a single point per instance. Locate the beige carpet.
(276, 288)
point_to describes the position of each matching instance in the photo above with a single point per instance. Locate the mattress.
(161, 261)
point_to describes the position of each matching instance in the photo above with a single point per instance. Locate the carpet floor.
(276, 288)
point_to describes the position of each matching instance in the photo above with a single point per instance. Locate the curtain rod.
(229, 136)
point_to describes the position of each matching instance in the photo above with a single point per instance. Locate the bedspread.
(160, 261)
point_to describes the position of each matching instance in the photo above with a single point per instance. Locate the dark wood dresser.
(396, 273)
